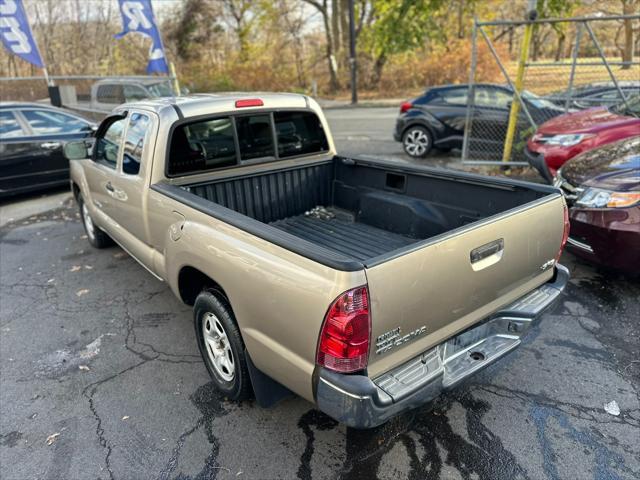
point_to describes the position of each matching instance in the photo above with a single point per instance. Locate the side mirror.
(75, 151)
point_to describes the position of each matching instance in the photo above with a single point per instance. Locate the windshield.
(160, 89)
(631, 107)
(537, 101)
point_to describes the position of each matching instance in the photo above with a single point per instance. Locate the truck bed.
(343, 234)
(376, 210)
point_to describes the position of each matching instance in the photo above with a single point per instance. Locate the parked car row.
(566, 136)
(31, 140)
(593, 155)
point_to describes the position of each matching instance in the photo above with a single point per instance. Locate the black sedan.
(437, 118)
(31, 139)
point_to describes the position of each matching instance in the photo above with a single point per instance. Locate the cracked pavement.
(94, 348)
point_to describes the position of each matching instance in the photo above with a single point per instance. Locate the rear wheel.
(417, 142)
(221, 346)
(96, 237)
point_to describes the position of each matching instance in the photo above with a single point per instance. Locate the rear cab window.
(231, 140)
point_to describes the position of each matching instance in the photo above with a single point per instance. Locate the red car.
(602, 188)
(565, 136)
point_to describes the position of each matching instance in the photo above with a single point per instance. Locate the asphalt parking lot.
(100, 377)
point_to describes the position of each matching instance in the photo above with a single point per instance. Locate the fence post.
(176, 85)
(471, 96)
(515, 104)
(574, 61)
(604, 60)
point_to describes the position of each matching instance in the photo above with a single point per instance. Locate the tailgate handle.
(486, 250)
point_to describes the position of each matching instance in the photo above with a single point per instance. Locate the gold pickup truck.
(365, 287)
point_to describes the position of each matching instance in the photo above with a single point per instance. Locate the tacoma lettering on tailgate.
(393, 338)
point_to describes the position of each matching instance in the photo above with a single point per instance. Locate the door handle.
(486, 255)
(484, 251)
(109, 187)
(50, 145)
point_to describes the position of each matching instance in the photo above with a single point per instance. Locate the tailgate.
(435, 291)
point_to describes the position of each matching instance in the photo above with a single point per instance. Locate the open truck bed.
(371, 211)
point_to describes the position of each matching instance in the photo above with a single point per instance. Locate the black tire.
(97, 238)
(208, 311)
(417, 141)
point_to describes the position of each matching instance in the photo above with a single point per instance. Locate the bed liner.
(339, 231)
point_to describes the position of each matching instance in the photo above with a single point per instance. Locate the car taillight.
(344, 339)
(565, 233)
(405, 106)
(249, 102)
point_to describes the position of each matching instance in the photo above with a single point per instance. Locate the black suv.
(437, 118)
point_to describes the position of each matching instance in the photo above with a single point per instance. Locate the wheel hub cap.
(218, 347)
(416, 142)
(88, 221)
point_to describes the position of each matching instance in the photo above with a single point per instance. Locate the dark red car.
(568, 135)
(602, 188)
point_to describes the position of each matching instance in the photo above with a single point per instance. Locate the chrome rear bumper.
(361, 402)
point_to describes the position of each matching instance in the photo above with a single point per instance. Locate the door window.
(50, 122)
(134, 143)
(108, 146)
(455, 96)
(9, 126)
(493, 97)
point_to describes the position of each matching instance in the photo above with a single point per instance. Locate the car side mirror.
(75, 151)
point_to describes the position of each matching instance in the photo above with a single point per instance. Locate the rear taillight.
(344, 339)
(249, 102)
(565, 233)
(405, 107)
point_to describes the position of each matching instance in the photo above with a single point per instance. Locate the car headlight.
(599, 198)
(567, 140)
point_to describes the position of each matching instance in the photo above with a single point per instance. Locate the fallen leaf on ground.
(75, 268)
(52, 438)
(81, 292)
(126, 417)
(119, 255)
(84, 367)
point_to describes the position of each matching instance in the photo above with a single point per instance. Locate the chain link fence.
(584, 67)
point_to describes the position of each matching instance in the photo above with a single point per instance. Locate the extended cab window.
(108, 146)
(299, 133)
(134, 143)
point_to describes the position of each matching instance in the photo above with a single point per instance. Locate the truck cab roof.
(195, 105)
